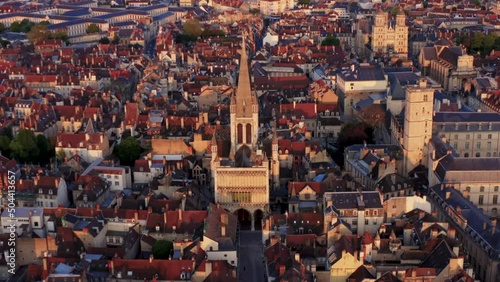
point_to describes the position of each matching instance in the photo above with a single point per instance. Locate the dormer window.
(51, 192)
(40, 191)
(85, 198)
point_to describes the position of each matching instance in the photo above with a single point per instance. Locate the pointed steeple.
(244, 99)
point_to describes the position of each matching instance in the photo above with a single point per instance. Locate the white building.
(25, 220)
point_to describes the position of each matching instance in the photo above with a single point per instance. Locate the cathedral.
(242, 180)
(389, 36)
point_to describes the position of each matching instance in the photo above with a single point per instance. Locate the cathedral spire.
(244, 97)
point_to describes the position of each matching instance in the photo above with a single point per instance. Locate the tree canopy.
(212, 32)
(25, 147)
(104, 40)
(2, 27)
(93, 28)
(352, 133)
(128, 151)
(23, 26)
(192, 28)
(40, 32)
(162, 249)
(480, 43)
(330, 41)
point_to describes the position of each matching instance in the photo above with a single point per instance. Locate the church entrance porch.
(250, 220)
(258, 216)
(244, 219)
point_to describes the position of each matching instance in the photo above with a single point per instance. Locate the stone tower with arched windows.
(417, 124)
(244, 110)
(390, 35)
(242, 179)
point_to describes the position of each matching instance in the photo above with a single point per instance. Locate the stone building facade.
(390, 37)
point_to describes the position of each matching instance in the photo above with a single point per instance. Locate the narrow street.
(250, 265)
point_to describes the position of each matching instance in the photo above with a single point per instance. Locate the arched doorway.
(244, 219)
(258, 216)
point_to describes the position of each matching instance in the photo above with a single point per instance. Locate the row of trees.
(26, 147)
(480, 43)
(192, 31)
(330, 41)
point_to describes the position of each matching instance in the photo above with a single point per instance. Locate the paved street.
(251, 267)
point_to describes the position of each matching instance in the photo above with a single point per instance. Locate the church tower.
(244, 109)
(417, 124)
(275, 163)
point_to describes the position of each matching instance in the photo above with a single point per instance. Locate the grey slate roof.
(488, 238)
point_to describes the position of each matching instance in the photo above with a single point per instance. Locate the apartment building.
(470, 134)
(362, 210)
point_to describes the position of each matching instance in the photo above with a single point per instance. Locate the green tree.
(4, 43)
(45, 23)
(477, 3)
(116, 40)
(4, 145)
(23, 26)
(330, 41)
(304, 2)
(2, 27)
(454, 8)
(352, 133)
(162, 249)
(254, 11)
(104, 40)
(93, 28)
(128, 151)
(46, 149)
(395, 10)
(24, 147)
(211, 32)
(38, 32)
(192, 28)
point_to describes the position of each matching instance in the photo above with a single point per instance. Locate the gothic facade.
(242, 180)
(389, 36)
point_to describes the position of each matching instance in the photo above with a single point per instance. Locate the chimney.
(180, 214)
(224, 218)
(136, 216)
(282, 270)
(112, 266)
(297, 257)
(45, 268)
(102, 138)
(223, 231)
(448, 194)
(493, 225)
(485, 225)
(451, 233)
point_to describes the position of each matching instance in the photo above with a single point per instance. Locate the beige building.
(469, 134)
(241, 179)
(448, 65)
(417, 125)
(389, 38)
(344, 267)
(275, 7)
(357, 84)
(478, 179)
(477, 232)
